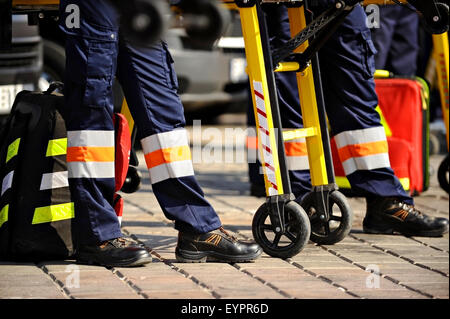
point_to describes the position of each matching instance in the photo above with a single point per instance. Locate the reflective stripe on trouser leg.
(364, 155)
(90, 162)
(298, 165)
(168, 159)
(168, 155)
(364, 149)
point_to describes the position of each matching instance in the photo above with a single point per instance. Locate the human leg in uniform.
(95, 51)
(397, 40)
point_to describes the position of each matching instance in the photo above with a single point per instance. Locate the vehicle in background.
(212, 80)
(21, 64)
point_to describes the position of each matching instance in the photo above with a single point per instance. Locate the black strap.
(55, 86)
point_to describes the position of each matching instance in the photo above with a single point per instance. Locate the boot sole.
(391, 231)
(184, 256)
(134, 262)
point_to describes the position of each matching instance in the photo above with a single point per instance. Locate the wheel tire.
(218, 20)
(298, 227)
(443, 174)
(442, 25)
(319, 234)
(132, 181)
(143, 22)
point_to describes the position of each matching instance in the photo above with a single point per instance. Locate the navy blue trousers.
(97, 52)
(397, 40)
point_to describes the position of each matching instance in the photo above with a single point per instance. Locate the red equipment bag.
(405, 115)
(122, 161)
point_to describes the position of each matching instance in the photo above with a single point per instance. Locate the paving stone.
(178, 294)
(226, 281)
(400, 293)
(158, 280)
(27, 281)
(316, 293)
(319, 275)
(94, 283)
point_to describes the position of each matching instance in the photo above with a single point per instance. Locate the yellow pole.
(261, 103)
(308, 103)
(441, 56)
(34, 2)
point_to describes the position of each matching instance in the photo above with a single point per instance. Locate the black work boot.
(216, 245)
(390, 215)
(118, 252)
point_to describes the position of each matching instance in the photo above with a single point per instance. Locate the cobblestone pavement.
(360, 266)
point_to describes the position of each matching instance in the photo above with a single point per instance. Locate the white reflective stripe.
(7, 182)
(90, 138)
(297, 163)
(171, 170)
(261, 105)
(54, 180)
(263, 123)
(367, 135)
(271, 177)
(297, 140)
(91, 169)
(160, 141)
(366, 163)
(251, 131)
(258, 87)
(272, 191)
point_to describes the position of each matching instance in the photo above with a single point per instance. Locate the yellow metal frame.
(441, 56)
(308, 104)
(257, 73)
(34, 2)
(307, 94)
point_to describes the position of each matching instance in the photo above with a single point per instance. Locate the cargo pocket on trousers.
(172, 79)
(368, 56)
(99, 74)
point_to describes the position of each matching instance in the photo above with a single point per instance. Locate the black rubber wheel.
(132, 181)
(339, 223)
(440, 26)
(205, 21)
(143, 22)
(443, 174)
(298, 231)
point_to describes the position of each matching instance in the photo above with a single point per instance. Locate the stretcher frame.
(262, 62)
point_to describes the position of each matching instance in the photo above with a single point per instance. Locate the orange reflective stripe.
(295, 149)
(361, 150)
(252, 142)
(90, 154)
(168, 155)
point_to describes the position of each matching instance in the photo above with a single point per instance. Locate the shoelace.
(221, 229)
(120, 242)
(411, 209)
